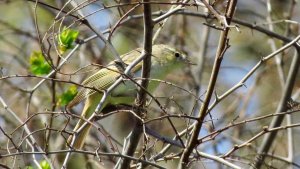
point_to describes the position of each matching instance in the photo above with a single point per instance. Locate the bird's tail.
(81, 136)
(89, 108)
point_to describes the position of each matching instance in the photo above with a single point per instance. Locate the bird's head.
(167, 56)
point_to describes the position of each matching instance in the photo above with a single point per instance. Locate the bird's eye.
(177, 55)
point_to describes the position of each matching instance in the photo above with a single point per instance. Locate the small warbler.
(164, 60)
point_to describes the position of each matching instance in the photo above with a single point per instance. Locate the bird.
(165, 59)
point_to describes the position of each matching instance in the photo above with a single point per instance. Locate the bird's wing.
(127, 89)
(101, 80)
(105, 77)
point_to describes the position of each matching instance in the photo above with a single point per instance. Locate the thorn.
(216, 95)
(243, 84)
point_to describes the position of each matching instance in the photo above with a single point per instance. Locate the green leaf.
(29, 167)
(38, 64)
(67, 96)
(45, 165)
(66, 39)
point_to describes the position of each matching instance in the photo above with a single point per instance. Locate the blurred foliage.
(44, 165)
(67, 96)
(66, 39)
(38, 64)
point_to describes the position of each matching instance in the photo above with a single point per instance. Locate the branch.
(31, 140)
(223, 45)
(276, 122)
(141, 97)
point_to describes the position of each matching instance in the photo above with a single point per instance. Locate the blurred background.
(28, 26)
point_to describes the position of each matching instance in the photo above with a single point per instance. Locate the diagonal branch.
(276, 122)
